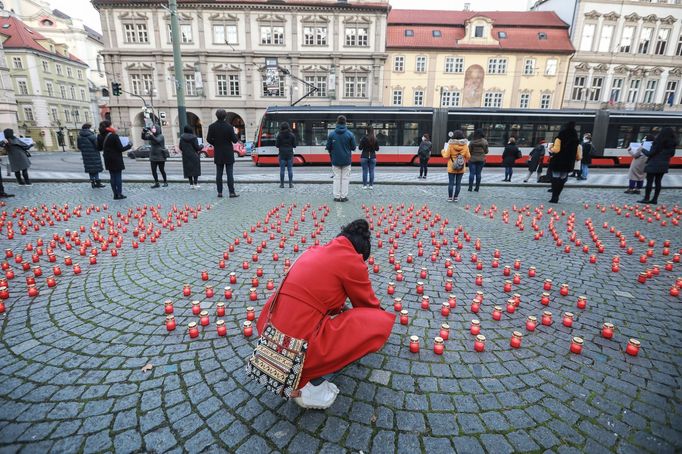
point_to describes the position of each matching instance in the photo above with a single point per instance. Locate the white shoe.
(364, 187)
(318, 397)
(196, 186)
(449, 199)
(371, 188)
(191, 186)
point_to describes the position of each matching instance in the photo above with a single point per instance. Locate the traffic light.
(116, 88)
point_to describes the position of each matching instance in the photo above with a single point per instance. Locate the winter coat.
(221, 135)
(112, 151)
(588, 148)
(157, 151)
(659, 158)
(424, 151)
(16, 152)
(636, 171)
(368, 151)
(535, 157)
(190, 148)
(340, 145)
(455, 148)
(478, 149)
(564, 155)
(285, 143)
(510, 154)
(87, 145)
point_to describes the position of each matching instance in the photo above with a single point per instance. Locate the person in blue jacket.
(340, 145)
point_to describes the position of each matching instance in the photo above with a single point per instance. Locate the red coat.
(317, 285)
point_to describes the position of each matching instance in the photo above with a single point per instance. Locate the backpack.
(458, 162)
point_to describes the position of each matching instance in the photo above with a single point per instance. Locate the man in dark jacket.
(157, 153)
(340, 145)
(92, 160)
(221, 135)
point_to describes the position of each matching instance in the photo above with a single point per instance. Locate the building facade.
(336, 46)
(49, 83)
(476, 59)
(8, 103)
(628, 53)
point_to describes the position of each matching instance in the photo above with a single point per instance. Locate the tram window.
(495, 133)
(523, 134)
(411, 134)
(321, 132)
(468, 129)
(386, 133)
(269, 132)
(547, 132)
(646, 129)
(625, 136)
(298, 128)
(358, 128)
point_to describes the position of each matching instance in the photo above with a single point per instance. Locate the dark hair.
(358, 234)
(371, 138)
(86, 126)
(427, 136)
(478, 134)
(9, 133)
(188, 129)
(284, 126)
(221, 114)
(666, 138)
(649, 138)
(458, 134)
(103, 125)
(512, 140)
(568, 132)
(340, 120)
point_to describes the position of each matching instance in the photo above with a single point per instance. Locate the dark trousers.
(94, 176)
(116, 177)
(652, 178)
(193, 180)
(229, 169)
(508, 172)
(475, 169)
(2, 187)
(161, 165)
(18, 175)
(286, 164)
(635, 183)
(454, 182)
(423, 167)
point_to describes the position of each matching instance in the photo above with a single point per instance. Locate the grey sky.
(83, 9)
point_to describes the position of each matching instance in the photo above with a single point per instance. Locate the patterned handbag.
(277, 361)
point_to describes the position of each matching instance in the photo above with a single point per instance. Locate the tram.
(399, 131)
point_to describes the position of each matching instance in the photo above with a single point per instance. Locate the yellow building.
(476, 59)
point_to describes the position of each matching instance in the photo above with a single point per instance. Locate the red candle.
(204, 319)
(270, 284)
(391, 288)
(4, 293)
(450, 271)
(517, 264)
(220, 309)
(546, 318)
(668, 266)
(414, 344)
(404, 317)
(254, 282)
(168, 307)
(495, 263)
(497, 313)
(93, 260)
(642, 278)
(275, 257)
(582, 302)
(448, 285)
(674, 291)
(479, 280)
(593, 259)
(423, 273)
(475, 306)
(170, 323)
(531, 323)
(375, 269)
(248, 329)
(576, 345)
(51, 282)
(233, 278)
(445, 309)
(425, 302)
(196, 307)
(444, 331)
(245, 265)
(30, 280)
(221, 328)
(506, 271)
(452, 301)
(76, 269)
(420, 288)
(475, 327)
(410, 258)
(568, 319)
(676, 258)
(479, 343)
(204, 275)
(209, 291)
(632, 348)
(186, 290)
(547, 285)
(438, 345)
(399, 276)
(516, 338)
(507, 286)
(250, 313)
(193, 330)
(228, 293)
(398, 304)
(607, 330)
(564, 290)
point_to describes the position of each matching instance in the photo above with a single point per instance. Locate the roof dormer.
(478, 31)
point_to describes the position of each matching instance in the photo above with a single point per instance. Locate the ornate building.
(476, 59)
(629, 53)
(8, 103)
(337, 46)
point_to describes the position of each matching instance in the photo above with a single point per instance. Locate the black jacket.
(564, 160)
(221, 135)
(191, 162)
(510, 154)
(285, 143)
(87, 145)
(424, 150)
(587, 153)
(157, 143)
(112, 150)
(535, 157)
(659, 158)
(368, 151)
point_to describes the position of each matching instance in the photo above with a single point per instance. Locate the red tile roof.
(522, 29)
(21, 36)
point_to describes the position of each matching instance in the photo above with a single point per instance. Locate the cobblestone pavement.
(72, 358)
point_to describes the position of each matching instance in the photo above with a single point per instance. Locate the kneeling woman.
(311, 303)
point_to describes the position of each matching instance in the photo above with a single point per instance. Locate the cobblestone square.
(74, 358)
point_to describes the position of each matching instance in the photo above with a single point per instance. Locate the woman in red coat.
(311, 306)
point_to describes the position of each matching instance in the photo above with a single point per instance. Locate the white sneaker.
(455, 199)
(449, 199)
(191, 186)
(364, 187)
(317, 397)
(371, 188)
(196, 186)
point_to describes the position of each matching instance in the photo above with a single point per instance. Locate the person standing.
(221, 135)
(112, 150)
(660, 154)
(285, 143)
(535, 158)
(3, 194)
(424, 153)
(587, 156)
(157, 154)
(636, 173)
(509, 156)
(478, 147)
(18, 154)
(340, 145)
(565, 152)
(368, 159)
(191, 162)
(92, 159)
(457, 154)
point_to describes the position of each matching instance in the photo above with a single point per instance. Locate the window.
(542, 36)
(69, 72)
(319, 82)
(670, 89)
(588, 37)
(545, 101)
(678, 51)
(190, 85)
(76, 116)
(605, 38)
(398, 63)
(82, 94)
(72, 92)
(397, 97)
(186, 36)
(524, 100)
(357, 37)
(550, 67)
(315, 36)
(497, 66)
(502, 35)
(67, 115)
(50, 89)
(449, 98)
(355, 87)
(274, 93)
(597, 85)
(225, 34)
(54, 114)
(272, 35)
(645, 40)
(80, 74)
(419, 97)
(478, 31)
(59, 70)
(420, 64)
(633, 91)
(17, 63)
(625, 45)
(136, 33)
(233, 84)
(221, 84)
(662, 41)
(436, 33)
(46, 67)
(616, 88)
(492, 99)
(62, 90)
(141, 84)
(529, 67)
(650, 91)
(454, 64)
(28, 113)
(409, 32)
(23, 87)
(578, 88)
